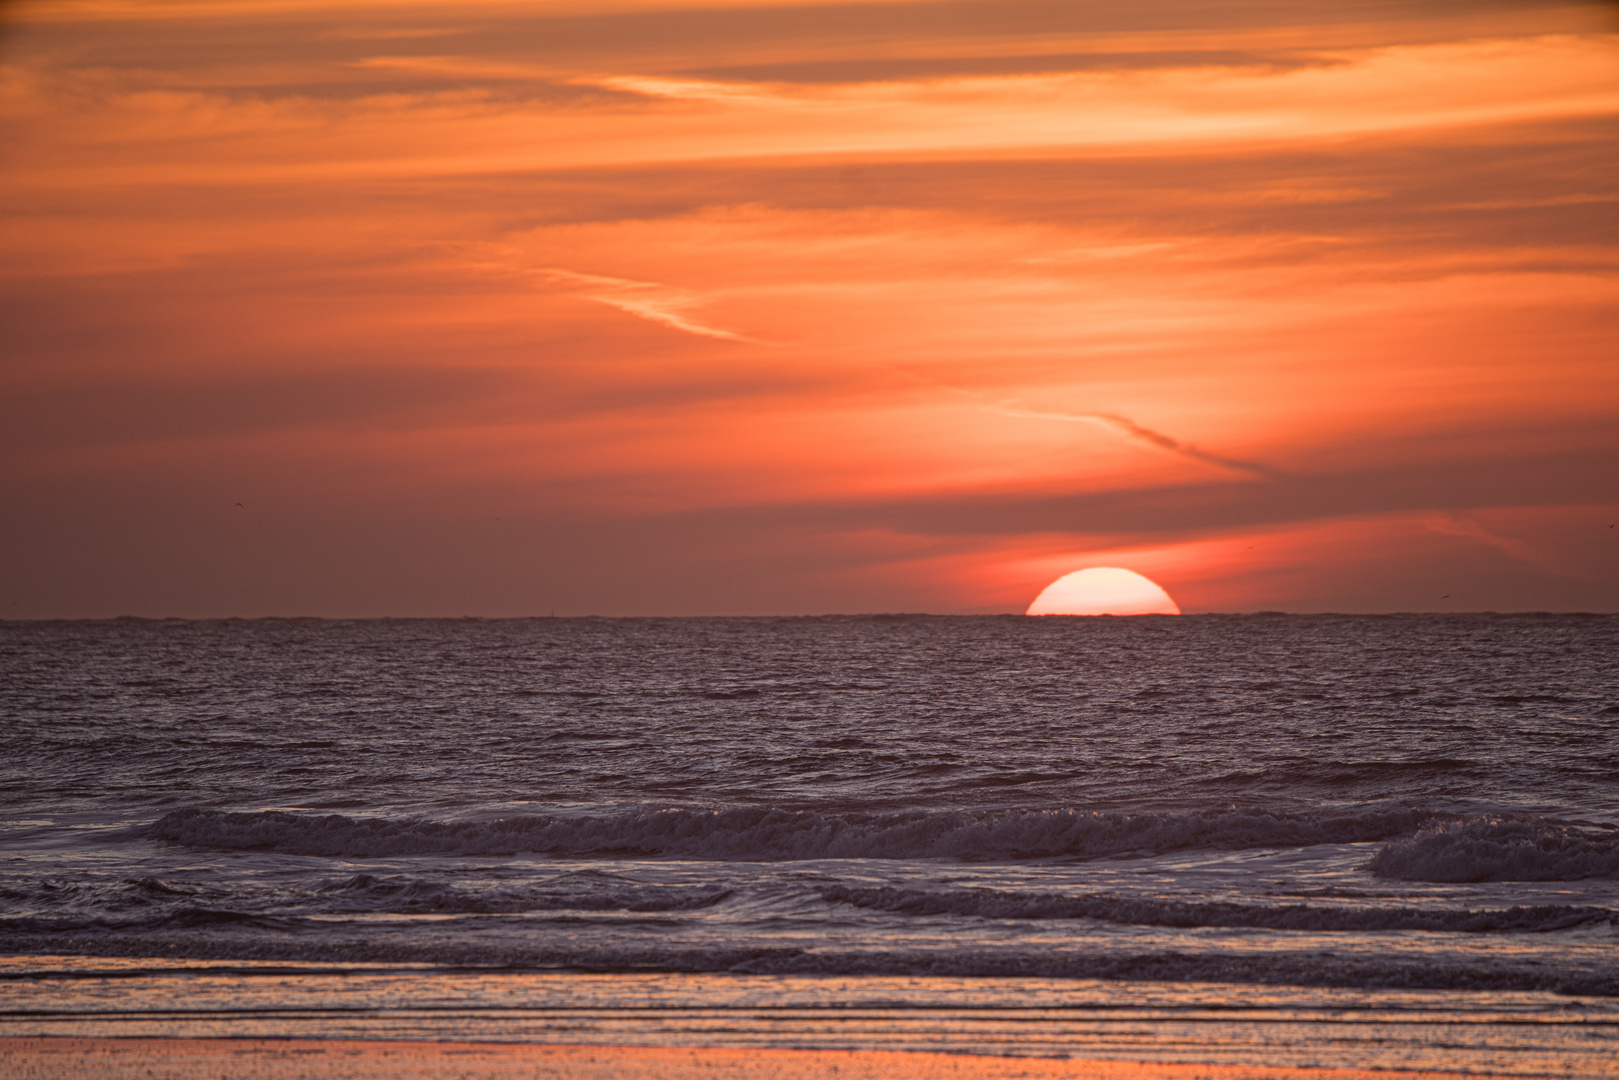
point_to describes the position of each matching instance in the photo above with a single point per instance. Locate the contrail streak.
(1136, 431)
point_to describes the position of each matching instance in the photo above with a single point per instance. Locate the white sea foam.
(132, 906)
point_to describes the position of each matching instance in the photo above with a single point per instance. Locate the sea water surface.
(1388, 841)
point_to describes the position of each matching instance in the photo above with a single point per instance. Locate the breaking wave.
(1499, 849)
(992, 904)
(774, 835)
(397, 894)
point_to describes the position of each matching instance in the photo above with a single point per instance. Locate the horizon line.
(1263, 613)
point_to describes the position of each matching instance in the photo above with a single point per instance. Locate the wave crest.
(774, 835)
(364, 892)
(994, 904)
(1499, 849)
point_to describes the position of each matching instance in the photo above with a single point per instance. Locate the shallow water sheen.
(1488, 1033)
(1376, 804)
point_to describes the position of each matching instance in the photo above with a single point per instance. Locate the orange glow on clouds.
(776, 307)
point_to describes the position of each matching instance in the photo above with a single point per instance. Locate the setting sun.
(1103, 590)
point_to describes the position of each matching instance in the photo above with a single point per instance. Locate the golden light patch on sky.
(895, 305)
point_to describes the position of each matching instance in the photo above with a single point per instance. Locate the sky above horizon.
(649, 307)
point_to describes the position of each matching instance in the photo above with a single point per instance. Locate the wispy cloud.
(1457, 523)
(647, 300)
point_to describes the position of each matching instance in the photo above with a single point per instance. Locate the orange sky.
(745, 306)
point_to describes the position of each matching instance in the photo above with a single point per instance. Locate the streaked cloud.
(645, 300)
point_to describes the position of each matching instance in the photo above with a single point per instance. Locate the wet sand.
(297, 1059)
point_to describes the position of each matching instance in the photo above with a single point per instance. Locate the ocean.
(1372, 841)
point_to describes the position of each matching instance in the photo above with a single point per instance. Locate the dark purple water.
(1404, 801)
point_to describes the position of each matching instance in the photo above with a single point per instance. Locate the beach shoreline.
(113, 1058)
